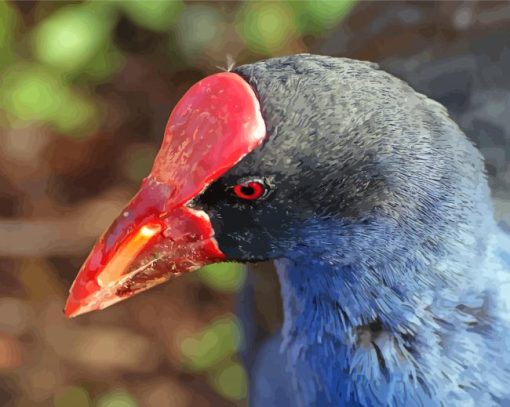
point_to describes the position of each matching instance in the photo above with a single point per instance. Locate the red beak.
(158, 236)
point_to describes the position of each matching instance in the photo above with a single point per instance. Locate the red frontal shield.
(215, 124)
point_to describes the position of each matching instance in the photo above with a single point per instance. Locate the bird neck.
(354, 331)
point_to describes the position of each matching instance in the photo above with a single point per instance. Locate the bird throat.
(352, 340)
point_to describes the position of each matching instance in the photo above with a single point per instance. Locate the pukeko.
(395, 278)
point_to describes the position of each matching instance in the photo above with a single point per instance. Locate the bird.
(374, 207)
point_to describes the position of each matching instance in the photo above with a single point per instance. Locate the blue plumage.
(395, 278)
(448, 346)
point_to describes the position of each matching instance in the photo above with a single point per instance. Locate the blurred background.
(85, 93)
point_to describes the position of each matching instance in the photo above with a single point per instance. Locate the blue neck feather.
(415, 330)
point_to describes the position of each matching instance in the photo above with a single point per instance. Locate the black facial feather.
(346, 141)
(382, 232)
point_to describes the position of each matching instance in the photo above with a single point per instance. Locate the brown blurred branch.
(21, 238)
(69, 235)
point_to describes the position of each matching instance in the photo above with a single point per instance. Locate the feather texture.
(395, 279)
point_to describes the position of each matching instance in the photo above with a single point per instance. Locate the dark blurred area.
(85, 92)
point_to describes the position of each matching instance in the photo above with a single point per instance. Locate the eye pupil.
(247, 190)
(250, 190)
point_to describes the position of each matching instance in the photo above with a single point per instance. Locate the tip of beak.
(70, 311)
(73, 308)
(77, 305)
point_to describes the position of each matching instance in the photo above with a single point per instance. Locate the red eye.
(250, 190)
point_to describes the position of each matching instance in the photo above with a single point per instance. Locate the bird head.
(293, 157)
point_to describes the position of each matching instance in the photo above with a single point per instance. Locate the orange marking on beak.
(127, 253)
